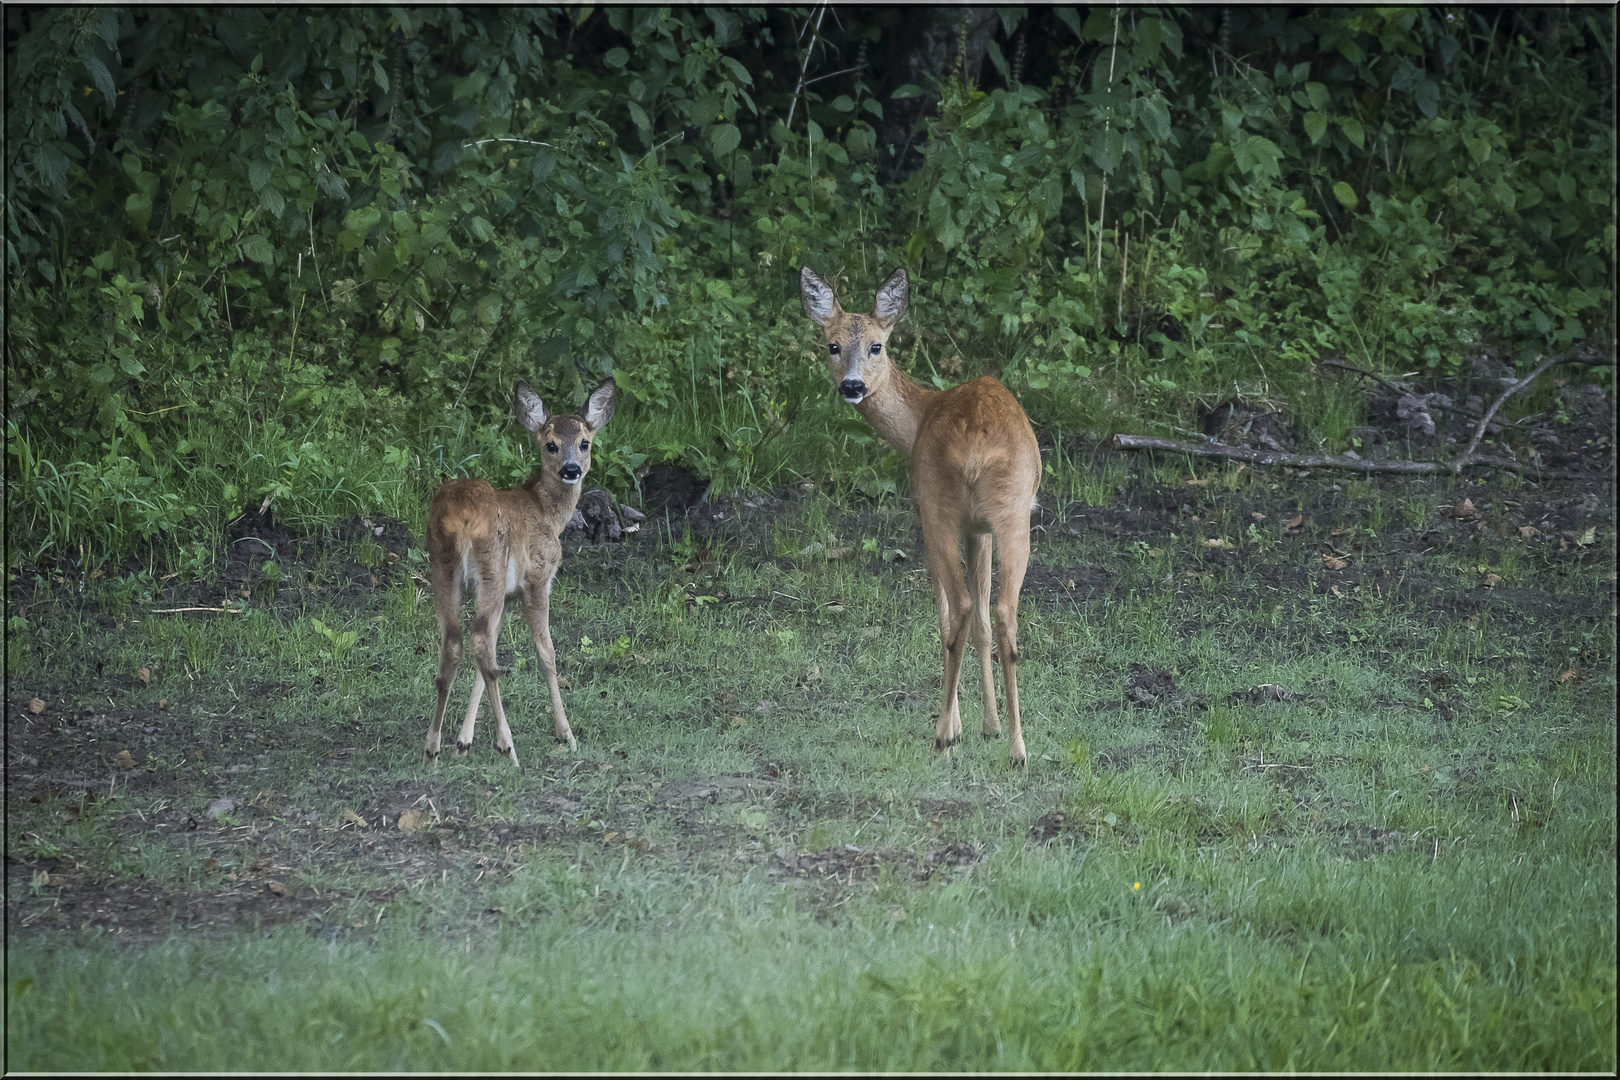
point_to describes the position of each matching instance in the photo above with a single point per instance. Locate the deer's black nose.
(571, 472)
(852, 388)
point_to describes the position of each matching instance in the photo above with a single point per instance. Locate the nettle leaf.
(258, 174)
(138, 208)
(257, 248)
(725, 138)
(1156, 118)
(1316, 124)
(1353, 131)
(1427, 95)
(1346, 195)
(103, 80)
(361, 219)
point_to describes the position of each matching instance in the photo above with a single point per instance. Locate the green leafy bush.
(303, 254)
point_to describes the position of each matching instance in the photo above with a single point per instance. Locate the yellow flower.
(1137, 886)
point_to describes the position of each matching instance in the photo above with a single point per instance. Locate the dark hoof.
(430, 758)
(462, 748)
(989, 735)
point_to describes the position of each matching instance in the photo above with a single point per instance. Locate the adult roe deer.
(975, 466)
(498, 542)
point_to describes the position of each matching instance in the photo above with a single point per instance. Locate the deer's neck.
(895, 408)
(555, 500)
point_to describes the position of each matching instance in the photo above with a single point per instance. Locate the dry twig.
(1469, 458)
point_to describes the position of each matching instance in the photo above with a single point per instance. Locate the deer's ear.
(817, 297)
(599, 407)
(528, 408)
(891, 299)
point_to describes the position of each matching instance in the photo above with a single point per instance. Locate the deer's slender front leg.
(469, 721)
(537, 604)
(486, 630)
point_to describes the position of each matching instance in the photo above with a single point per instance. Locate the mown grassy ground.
(1336, 793)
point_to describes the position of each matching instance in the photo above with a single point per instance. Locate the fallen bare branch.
(1479, 429)
(1391, 387)
(172, 610)
(1470, 458)
(1328, 461)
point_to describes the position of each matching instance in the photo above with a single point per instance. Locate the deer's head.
(565, 441)
(855, 343)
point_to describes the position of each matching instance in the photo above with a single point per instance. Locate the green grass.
(1408, 864)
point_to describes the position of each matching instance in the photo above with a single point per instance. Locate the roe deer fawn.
(975, 466)
(500, 542)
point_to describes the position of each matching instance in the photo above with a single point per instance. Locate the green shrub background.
(304, 253)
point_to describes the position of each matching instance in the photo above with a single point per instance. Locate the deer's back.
(976, 437)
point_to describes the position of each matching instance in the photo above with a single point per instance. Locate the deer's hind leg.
(978, 581)
(1013, 542)
(940, 544)
(446, 606)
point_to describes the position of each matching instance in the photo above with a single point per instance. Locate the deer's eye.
(551, 448)
(877, 347)
(833, 349)
(584, 445)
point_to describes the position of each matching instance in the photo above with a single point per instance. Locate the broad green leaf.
(257, 248)
(1345, 194)
(1316, 124)
(1427, 95)
(725, 138)
(138, 208)
(907, 90)
(1258, 155)
(1156, 118)
(1320, 99)
(271, 201)
(844, 103)
(1353, 131)
(469, 86)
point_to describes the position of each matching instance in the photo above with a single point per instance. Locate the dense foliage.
(302, 253)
